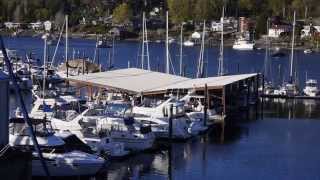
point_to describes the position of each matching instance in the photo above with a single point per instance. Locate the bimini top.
(134, 81)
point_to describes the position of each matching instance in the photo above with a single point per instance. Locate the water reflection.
(292, 108)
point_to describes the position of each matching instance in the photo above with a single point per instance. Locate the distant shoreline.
(228, 42)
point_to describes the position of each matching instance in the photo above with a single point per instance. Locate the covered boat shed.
(231, 90)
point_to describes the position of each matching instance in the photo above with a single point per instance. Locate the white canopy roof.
(212, 82)
(132, 79)
(135, 80)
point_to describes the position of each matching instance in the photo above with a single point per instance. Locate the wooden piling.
(170, 121)
(205, 115)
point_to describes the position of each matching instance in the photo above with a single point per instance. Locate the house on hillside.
(278, 28)
(12, 25)
(36, 25)
(309, 30)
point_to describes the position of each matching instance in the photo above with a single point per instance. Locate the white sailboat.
(290, 88)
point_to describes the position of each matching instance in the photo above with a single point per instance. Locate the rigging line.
(172, 67)
(57, 46)
(23, 107)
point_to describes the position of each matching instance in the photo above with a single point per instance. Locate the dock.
(229, 92)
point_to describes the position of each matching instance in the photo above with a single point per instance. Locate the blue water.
(129, 52)
(281, 143)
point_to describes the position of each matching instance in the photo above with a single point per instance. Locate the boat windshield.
(42, 129)
(118, 110)
(311, 84)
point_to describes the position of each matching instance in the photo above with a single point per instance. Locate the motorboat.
(188, 43)
(103, 43)
(102, 146)
(158, 118)
(288, 89)
(311, 88)
(307, 51)
(60, 160)
(119, 124)
(194, 105)
(63, 113)
(243, 44)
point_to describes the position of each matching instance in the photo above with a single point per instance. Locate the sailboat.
(267, 88)
(290, 88)
(145, 45)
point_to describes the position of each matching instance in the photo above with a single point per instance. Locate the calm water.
(280, 144)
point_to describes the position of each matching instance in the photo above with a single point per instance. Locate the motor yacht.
(243, 44)
(188, 43)
(63, 113)
(194, 105)
(119, 124)
(158, 118)
(60, 160)
(311, 88)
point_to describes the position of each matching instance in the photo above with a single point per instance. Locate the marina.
(116, 81)
(200, 100)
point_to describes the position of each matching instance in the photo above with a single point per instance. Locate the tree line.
(179, 10)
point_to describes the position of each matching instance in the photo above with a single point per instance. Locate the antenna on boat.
(292, 47)
(220, 66)
(23, 108)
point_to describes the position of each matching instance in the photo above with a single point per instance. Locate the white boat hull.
(65, 166)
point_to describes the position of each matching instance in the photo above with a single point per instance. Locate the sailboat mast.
(181, 47)
(292, 46)
(266, 60)
(147, 43)
(200, 61)
(167, 44)
(142, 50)
(44, 66)
(220, 68)
(66, 48)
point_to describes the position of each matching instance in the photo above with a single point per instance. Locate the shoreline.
(211, 42)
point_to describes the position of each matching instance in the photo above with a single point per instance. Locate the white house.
(276, 30)
(36, 26)
(47, 25)
(11, 25)
(306, 31)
